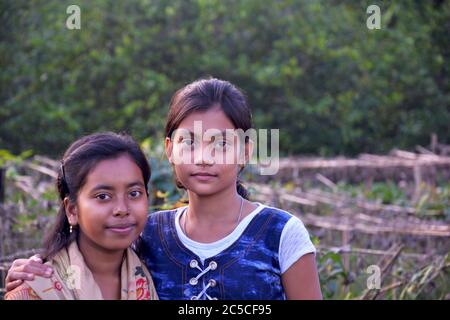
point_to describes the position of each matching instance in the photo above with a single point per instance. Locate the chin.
(118, 247)
(204, 190)
(115, 245)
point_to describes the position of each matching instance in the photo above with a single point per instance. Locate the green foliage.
(162, 188)
(7, 158)
(348, 88)
(388, 193)
(432, 202)
(30, 205)
(332, 275)
(429, 282)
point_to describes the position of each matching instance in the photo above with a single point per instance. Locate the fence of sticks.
(368, 232)
(407, 242)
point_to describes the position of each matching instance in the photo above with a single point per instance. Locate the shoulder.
(153, 217)
(290, 225)
(22, 292)
(291, 220)
(268, 224)
(293, 226)
(295, 242)
(161, 213)
(157, 222)
(277, 214)
(295, 229)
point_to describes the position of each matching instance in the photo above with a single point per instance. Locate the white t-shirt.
(294, 242)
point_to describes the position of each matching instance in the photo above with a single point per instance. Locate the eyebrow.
(109, 187)
(221, 132)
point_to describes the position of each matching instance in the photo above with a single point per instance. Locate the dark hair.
(205, 94)
(79, 159)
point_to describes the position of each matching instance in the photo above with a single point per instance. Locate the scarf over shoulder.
(72, 280)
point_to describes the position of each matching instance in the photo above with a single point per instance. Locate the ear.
(71, 211)
(168, 145)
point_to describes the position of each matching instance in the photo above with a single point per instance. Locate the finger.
(36, 269)
(18, 275)
(35, 264)
(12, 285)
(18, 262)
(36, 258)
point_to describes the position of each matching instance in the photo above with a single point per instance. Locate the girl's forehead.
(213, 118)
(114, 170)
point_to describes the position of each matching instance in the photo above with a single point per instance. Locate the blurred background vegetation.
(309, 68)
(347, 88)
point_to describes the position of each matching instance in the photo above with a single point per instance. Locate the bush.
(310, 68)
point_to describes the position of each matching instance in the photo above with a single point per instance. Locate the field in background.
(391, 212)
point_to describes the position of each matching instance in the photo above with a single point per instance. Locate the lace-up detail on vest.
(194, 281)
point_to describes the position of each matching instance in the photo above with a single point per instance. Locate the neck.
(99, 260)
(219, 207)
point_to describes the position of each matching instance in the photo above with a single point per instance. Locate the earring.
(70, 229)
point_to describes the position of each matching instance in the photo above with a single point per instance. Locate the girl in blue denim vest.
(222, 246)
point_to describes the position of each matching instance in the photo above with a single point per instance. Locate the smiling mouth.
(121, 229)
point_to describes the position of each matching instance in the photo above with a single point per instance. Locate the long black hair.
(79, 159)
(205, 94)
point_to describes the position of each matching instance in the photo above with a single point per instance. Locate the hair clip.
(62, 170)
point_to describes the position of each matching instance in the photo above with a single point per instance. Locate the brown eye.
(135, 194)
(102, 196)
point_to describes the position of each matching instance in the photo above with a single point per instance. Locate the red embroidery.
(57, 285)
(142, 292)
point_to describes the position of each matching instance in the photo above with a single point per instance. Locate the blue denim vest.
(247, 270)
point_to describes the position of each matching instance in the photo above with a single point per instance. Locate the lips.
(121, 228)
(203, 174)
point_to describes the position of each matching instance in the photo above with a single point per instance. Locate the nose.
(203, 155)
(121, 208)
